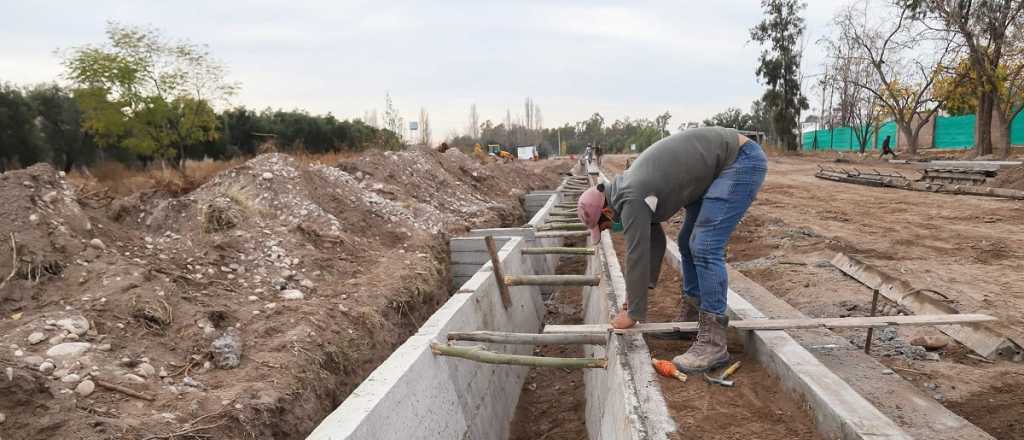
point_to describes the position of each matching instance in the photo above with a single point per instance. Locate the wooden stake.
(499, 276)
(479, 354)
(552, 280)
(558, 251)
(123, 390)
(528, 338)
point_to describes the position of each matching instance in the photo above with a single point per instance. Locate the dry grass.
(121, 180)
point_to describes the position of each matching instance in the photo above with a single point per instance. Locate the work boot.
(709, 350)
(688, 313)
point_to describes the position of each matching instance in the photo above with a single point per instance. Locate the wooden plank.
(781, 324)
(978, 337)
(528, 338)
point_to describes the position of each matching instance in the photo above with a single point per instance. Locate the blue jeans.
(710, 222)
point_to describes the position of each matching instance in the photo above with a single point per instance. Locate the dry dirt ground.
(969, 248)
(246, 308)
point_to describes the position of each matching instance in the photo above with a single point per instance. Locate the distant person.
(588, 154)
(597, 154)
(715, 174)
(886, 149)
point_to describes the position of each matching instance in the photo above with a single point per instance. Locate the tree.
(990, 30)
(147, 93)
(852, 75)
(60, 122)
(392, 120)
(424, 127)
(732, 117)
(19, 141)
(474, 123)
(779, 66)
(906, 59)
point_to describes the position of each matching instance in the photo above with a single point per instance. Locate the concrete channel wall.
(624, 401)
(417, 395)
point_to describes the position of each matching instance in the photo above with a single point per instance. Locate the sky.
(574, 58)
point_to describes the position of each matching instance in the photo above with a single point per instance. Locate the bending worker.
(712, 172)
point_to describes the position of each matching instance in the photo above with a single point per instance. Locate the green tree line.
(141, 96)
(44, 123)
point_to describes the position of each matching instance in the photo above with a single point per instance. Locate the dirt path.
(969, 248)
(553, 403)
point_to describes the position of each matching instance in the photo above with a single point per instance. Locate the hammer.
(721, 380)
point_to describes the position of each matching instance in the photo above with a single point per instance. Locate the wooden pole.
(558, 250)
(528, 338)
(782, 324)
(479, 354)
(554, 234)
(499, 276)
(874, 308)
(562, 227)
(552, 280)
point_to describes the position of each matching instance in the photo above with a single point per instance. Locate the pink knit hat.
(588, 208)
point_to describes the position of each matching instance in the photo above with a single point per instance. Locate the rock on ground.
(85, 388)
(68, 350)
(227, 350)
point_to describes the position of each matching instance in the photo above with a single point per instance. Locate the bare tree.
(424, 127)
(986, 28)
(905, 57)
(853, 77)
(474, 123)
(392, 120)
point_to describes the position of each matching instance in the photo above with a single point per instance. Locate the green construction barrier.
(1017, 130)
(954, 132)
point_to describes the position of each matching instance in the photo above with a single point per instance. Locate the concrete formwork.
(417, 395)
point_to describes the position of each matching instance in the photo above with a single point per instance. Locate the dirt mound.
(255, 303)
(47, 224)
(1010, 178)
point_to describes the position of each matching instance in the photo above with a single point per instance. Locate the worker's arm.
(657, 252)
(636, 223)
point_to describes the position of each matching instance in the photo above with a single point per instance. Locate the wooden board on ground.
(781, 324)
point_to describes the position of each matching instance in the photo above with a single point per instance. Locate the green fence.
(951, 133)
(954, 132)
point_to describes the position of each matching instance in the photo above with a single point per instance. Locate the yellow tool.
(721, 380)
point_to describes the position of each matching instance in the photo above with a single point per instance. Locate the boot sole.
(713, 366)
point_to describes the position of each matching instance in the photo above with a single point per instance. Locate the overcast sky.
(574, 58)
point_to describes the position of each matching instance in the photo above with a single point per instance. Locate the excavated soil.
(969, 248)
(1012, 178)
(553, 402)
(247, 308)
(756, 407)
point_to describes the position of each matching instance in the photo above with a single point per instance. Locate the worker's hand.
(622, 320)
